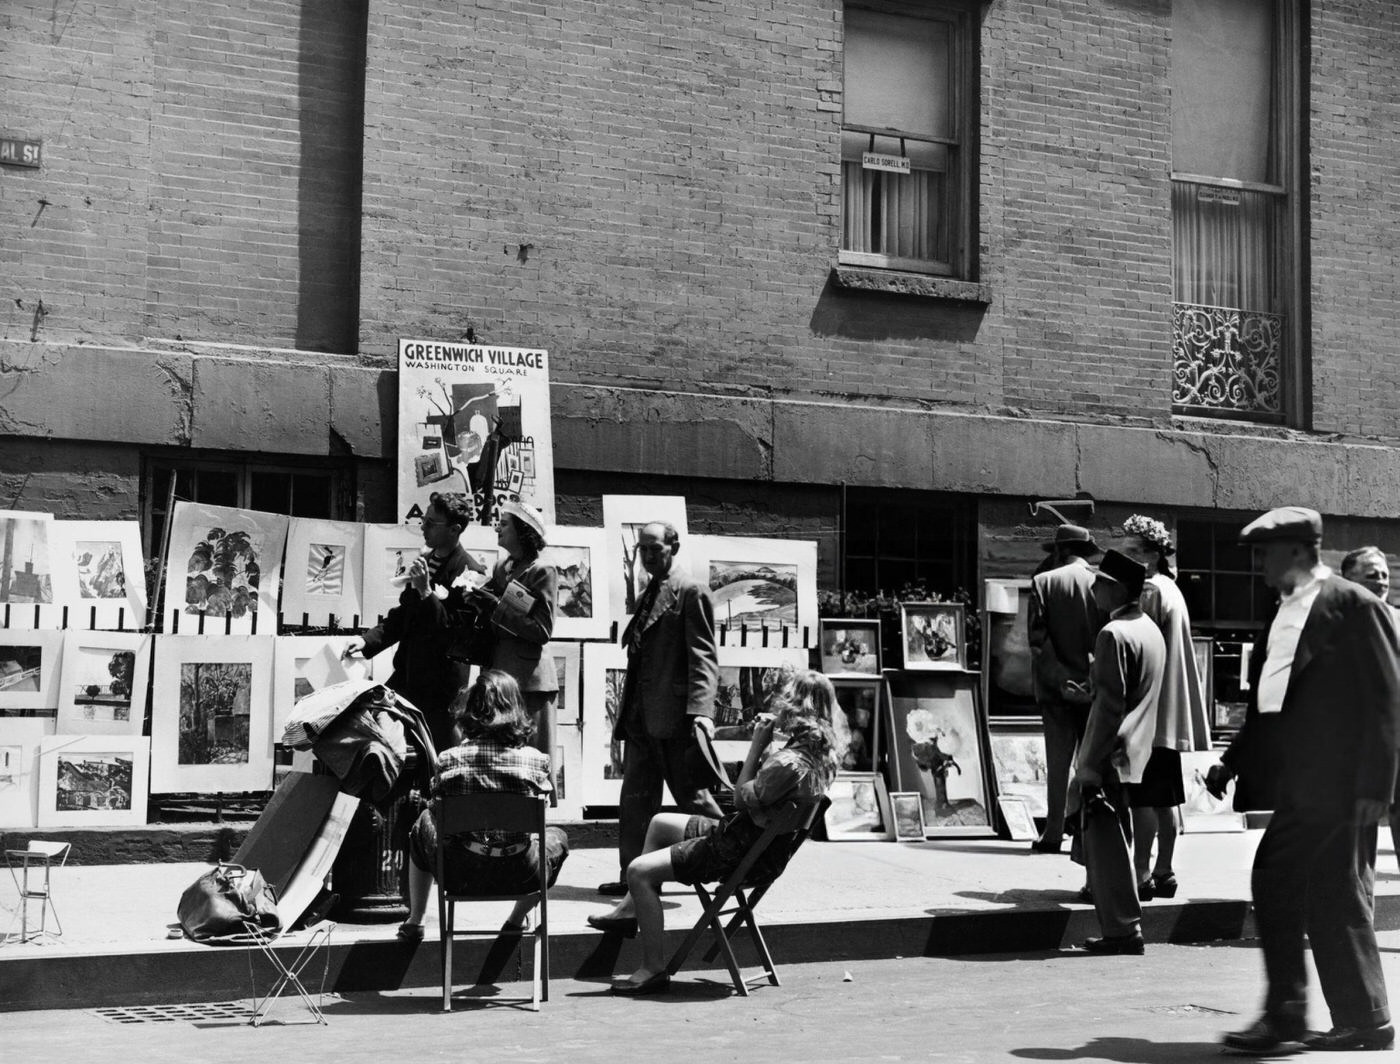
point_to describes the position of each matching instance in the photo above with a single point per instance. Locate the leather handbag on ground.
(217, 906)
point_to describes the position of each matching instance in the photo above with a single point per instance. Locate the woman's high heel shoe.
(1164, 884)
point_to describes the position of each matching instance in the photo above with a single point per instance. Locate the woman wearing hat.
(523, 620)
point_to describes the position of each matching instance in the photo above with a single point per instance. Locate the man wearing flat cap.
(1063, 621)
(1323, 720)
(1126, 679)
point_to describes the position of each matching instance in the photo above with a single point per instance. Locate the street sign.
(16, 152)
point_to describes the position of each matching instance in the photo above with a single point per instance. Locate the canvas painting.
(211, 715)
(474, 419)
(908, 812)
(624, 516)
(93, 780)
(29, 668)
(1018, 763)
(99, 573)
(858, 809)
(322, 573)
(304, 664)
(604, 672)
(937, 749)
(26, 572)
(1006, 650)
(103, 682)
(860, 707)
(224, 564)
(850, 647)
(19, 770)
(581, 605)
(1202, 811)
(760, 583)
(933, 635)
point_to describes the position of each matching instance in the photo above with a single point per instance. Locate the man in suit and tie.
(1323, 721)
(1063, 622)
(668, 696)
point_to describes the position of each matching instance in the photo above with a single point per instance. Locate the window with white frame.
(906, 137)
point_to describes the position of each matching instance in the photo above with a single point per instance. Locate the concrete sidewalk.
(837, 901)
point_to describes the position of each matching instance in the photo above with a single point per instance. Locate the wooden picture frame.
(582, 603)
(759, 584)
(93, 780)
(907, 815)
(103, 683)
(30, 667)
(933, 635)
(859, 809)
(859, 701)
(1018, 764)
(99, 573)
(850, 647)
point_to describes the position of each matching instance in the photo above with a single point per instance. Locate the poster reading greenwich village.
(474, 418)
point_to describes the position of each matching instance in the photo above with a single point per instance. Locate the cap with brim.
(526, 514)
(1072, 535)
(1120, 568)
(1296, 524)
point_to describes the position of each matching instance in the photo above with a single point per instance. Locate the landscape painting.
(760, 584)
(93, 780)
(582, 603)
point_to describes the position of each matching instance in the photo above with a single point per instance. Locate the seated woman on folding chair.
(701, 849)
(490, 720)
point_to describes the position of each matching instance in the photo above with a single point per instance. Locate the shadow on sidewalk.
(1126, 1051)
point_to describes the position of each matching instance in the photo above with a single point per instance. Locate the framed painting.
(749, 677)
(1016, 816)
(323, 572)
(859, 701)
(99, 573)
(760, 583)
(93, 780)
(19, 770)
(581, 604)
(103, 683)
(907, 811)
(211, 716)
(624, 516)
(223, 566)
(1006, 651)
(1202, 811)
(933, 635)
(938, 746)
(1018, 765)
(29, 668)
(849, 647)
(604, 672)
(568, 704)
(859, 809)
(304, 664)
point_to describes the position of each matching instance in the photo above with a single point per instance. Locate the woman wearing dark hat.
(1182, 723)
(523, 620)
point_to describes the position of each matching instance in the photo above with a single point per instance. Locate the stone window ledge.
(923, 286)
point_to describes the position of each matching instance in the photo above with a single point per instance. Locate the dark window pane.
(271, 492)
(1234, 599)
(311, 495)
(899, 531)
(862, 536)
(1195, 588)
(215, 487)
(1230, 555)
(860, 574)
(1193, 544)
(1264, 599)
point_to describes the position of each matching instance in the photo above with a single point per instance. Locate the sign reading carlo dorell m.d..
(474, 418)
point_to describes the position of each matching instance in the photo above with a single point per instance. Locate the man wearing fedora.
(1063, 621)
(1323, 721)
(1130, 658)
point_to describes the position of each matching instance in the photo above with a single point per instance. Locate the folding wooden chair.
(455, 814)
(745, 896)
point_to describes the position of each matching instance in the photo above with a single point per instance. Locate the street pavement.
(1168, 1006)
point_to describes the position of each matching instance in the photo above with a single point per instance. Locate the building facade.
(879, 274)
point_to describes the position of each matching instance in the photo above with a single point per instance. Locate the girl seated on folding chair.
(490, 720)
(700, 849)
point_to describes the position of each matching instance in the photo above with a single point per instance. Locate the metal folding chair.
(745, 897)
(454, 814)
(31, 869)
(318, 940)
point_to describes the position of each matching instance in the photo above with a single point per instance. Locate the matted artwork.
(760, 583)
(211, 714)
(322, 574)
(604, 673)
(624, 516)
(304, 664)
(938, 746)
(907, 810)
(1202, 811)
(26, 572)
(859, 809)
(1006, 650)
(481, 543)
(223, 565)
(389, 551)
(749, 677)
(933, 635)
(103, 682)
(579, 559)
(850, 647)
(99, 573)
(860, 705)
(474, 419)
(568, 703)
(1018, 764)
(93, 780)
(29, 668)
(19, 770)
(1016, 815)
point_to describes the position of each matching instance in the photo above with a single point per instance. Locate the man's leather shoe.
(615, 889)
(1044, 847)
(1381, 1036)
(1127, 945)
(1267, 1035)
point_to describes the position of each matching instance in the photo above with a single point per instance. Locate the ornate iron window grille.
(1227, 362)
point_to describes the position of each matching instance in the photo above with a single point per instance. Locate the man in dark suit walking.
(1063, 622)
(668, 696)
(1324, 719)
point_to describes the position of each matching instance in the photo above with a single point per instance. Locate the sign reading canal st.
(474, 418)
(16, 152)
